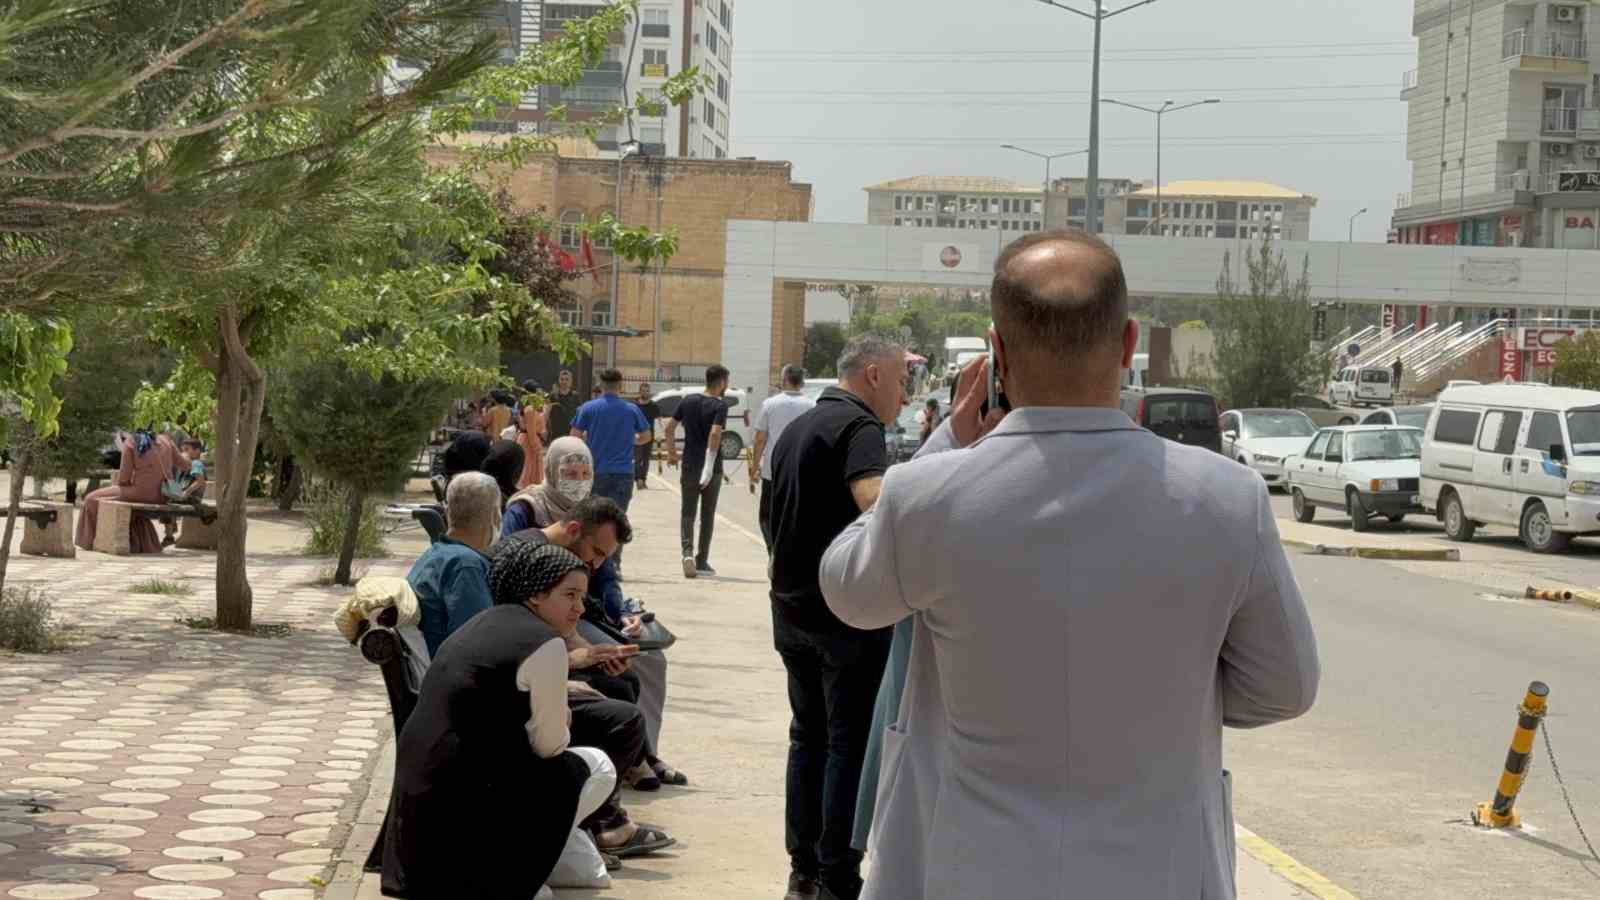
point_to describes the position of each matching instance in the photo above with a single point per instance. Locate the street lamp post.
(1160, 112)
(1048, 158)
(624, 150)
(1353, 223)
(1091, 219)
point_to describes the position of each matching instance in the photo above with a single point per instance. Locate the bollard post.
(1554, 596)
(1501, 812)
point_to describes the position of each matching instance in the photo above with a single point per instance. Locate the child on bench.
(186, 487)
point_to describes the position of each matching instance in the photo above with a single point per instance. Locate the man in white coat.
(1091, 605)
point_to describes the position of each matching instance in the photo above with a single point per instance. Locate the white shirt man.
(775, 415)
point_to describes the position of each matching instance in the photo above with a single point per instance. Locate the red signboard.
(1544, 357)
(1510, 356)
(1544, 338)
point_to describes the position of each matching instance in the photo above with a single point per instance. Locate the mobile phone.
(646, 646)
(647, 617)
(996, 398)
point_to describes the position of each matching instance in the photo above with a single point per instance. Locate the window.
(570, 314)
(652, 133)
(712, 39)
(899, 202)
(603, 243)
(655, 64)
(1500, 429)
(600, 315)
(708, 149)
(657, 22)
(725, 16)
(1456, 426)
(722, 88)
(1318, 445)
(1544, 432)
(1335, 451)
(571, 229)
(897, 220)
(711, 114)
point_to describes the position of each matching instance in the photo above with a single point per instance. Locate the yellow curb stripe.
(1426, 554)
(1286, 866)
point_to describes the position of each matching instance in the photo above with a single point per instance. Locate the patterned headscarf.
(523, 569)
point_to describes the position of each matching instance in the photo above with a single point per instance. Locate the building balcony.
(1556, 53)
(1408, 83)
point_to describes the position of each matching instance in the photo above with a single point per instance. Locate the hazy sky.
(855, 92)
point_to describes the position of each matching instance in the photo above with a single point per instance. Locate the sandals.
(668, 775)
(646, 839)
(641, 778)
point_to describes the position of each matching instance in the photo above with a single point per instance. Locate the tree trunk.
(241, 396)
(19, 472)
(352, 535)
(289, 492)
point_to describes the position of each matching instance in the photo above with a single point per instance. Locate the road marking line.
(756, 538)
(1288, 867)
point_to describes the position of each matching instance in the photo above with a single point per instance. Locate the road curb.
(349, 878)
(1428, 554)
(1288, 867)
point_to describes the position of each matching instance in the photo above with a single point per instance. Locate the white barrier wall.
(760, 253)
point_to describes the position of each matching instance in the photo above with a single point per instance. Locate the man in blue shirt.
(612, 427)
(451, 579)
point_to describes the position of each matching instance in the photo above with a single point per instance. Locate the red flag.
(560, 257)
(588, 259)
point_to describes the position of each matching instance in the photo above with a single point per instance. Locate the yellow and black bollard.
(1501, 812)
(1551, 595)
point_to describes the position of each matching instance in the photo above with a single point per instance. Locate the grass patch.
(162, 586)
(259, 629)
(324, 577)
(327, 510)
(27, 622)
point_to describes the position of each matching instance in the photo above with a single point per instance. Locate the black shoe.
(801, 887)
(704, 569)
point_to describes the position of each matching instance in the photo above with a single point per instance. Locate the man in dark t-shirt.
(643, 452)
(703, 417)
(563, 407)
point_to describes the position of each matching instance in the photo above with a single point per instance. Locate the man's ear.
(997, 353)
(1130, 341)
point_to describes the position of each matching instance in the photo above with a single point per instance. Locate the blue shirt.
(610, 425)
(451, 581)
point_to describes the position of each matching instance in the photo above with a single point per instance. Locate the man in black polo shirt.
(826, 470)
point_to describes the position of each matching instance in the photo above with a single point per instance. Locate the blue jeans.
(619, 489)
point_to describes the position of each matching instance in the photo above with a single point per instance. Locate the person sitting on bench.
(187, 486)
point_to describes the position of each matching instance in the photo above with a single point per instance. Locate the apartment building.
(956, 201)
(1503, 130)
(666, 38)
(1251, 210)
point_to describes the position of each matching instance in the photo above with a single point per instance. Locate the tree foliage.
(104, 369)
(929, 320)
(1578, 361)
(824, 343)
(1264, 354)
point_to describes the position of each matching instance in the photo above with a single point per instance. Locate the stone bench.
(113, 530)
(48, 530)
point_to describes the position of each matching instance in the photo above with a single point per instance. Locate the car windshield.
(1584, 426)
(1278, 424)
(1413, 416)
(1393, 444)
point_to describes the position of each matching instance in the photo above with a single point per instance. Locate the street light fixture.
(1091, 218)
(1048, 158)
(1353, 223)
(1159, 112)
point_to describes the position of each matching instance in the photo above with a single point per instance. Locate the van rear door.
(1185, 418)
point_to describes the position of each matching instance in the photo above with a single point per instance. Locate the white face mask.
(576, 490)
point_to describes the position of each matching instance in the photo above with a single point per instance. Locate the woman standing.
(146, 462)
(531, 437)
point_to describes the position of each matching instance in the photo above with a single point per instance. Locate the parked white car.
(1263, 438)
(1521, 455)
(739, 433)
(1362, 386)
(1409, 416)
(1364, 470)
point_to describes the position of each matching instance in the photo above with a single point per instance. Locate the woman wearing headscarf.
(466, 453)
(504, 465)
(146, 462)
(531, 424)
(488, 743)
(568, 477)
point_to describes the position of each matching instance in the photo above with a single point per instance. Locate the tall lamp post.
(625, 149)
(1048, 158)
(1353, 223)
(1091, 219)
(1160, 112)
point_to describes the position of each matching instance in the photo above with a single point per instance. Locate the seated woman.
(568, 477)
(504, 465)
(488, 744)
(146, 463)
(451, 578)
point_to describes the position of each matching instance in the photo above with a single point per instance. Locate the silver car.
(1325, 414)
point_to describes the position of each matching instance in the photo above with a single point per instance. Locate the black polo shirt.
(837, 442)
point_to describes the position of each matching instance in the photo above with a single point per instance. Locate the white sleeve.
(858, 575)
(761, 416)
(544, 676)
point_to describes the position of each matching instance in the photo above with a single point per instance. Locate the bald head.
(1059, 294)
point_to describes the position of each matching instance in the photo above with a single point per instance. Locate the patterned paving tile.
(164, 763)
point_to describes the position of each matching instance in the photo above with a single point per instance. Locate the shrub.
(326, 507)
(161, 586)
(27, 623)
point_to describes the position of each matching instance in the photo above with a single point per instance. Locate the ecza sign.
(1510, 357)
(1542, 341)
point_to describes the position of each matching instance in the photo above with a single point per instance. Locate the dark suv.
(1177, 414)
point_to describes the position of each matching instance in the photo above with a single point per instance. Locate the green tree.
(824, 343)
(108, 361)
(1578, 361)
(1264, 353)
(358, 430)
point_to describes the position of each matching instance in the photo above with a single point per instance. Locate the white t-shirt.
(775, 415)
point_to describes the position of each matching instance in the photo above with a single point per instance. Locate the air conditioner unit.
(1566, 14)
(1558, 149)
(1591, 151)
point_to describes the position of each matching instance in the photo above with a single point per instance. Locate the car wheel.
(1303, 510)
(1539, 533)
(1457, 527)
(1396, 520)
(1347, 421)
(1359, 520)
(732, 445)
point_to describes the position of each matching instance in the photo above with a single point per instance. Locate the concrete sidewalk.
(726, 728)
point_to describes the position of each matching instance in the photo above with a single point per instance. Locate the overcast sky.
(856, 92)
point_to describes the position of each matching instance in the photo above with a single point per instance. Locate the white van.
(1362, 386)
(1520, 455)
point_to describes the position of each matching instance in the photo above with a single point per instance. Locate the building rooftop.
(954, 184)
(1253, 190)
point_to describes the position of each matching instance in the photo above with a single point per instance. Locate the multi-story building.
(1069, 201)
(1503, 132)
(956, 201)
(665, 39)
(1219, 209)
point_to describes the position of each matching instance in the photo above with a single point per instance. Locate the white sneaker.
(689, 568)
(545, 893)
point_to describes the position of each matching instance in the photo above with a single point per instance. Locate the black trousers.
(834, 673)
(764, 512)
(616, 728)
(705, 501)
(641, 462)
